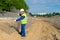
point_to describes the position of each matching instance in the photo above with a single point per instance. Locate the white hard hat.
(21, 10)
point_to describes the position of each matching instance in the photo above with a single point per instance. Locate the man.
(23, 21)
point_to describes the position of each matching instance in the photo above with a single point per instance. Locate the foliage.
(47, 15)
(9, 4)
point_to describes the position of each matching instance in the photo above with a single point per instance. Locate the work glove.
(15, 20)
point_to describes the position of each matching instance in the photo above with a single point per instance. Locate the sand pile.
(38, 30)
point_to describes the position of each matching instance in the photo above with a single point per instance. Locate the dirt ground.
(37, 30)
(55, 21)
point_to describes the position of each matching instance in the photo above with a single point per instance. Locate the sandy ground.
(54, 21)
(37, 30)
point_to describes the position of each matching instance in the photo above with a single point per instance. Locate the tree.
(31, 14)
(9, 4)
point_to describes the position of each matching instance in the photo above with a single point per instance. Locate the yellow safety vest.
(24, 21)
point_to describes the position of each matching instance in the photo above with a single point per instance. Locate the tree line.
(7, 5)
(46, 15)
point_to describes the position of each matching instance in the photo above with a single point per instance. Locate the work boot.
(20, 33)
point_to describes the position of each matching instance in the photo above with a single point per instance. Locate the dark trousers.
(23, 33)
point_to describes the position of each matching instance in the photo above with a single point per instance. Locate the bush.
(9, 4)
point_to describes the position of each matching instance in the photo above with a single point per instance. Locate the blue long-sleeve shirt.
(20, 18)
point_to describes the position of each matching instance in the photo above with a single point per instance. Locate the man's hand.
(15, 20)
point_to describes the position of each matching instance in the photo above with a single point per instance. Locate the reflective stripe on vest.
(24, 21)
